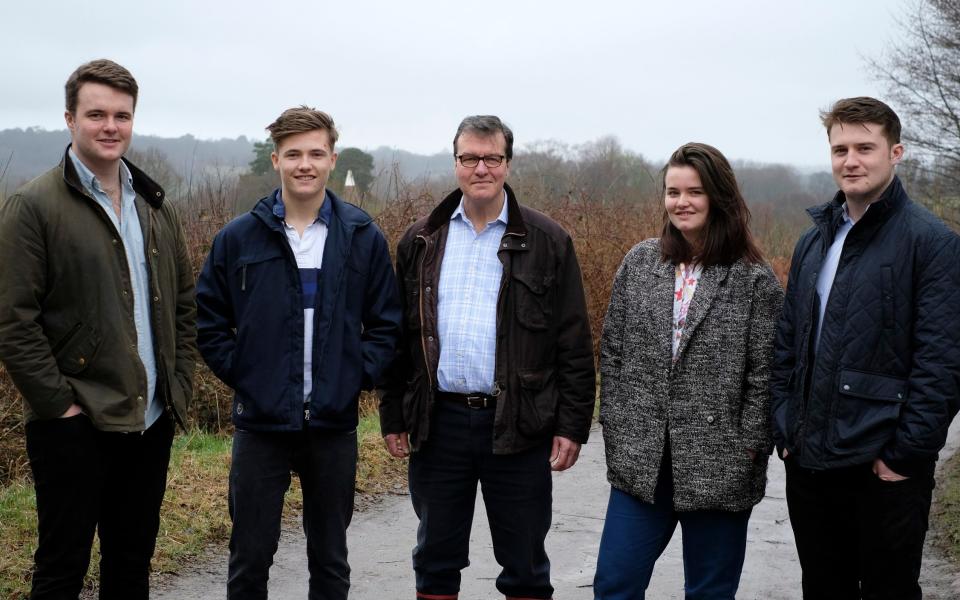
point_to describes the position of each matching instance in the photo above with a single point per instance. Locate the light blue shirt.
(128, 226)
(828, 271)
(469, 285)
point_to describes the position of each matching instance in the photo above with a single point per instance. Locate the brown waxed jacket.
(544, 370)
(67, 331)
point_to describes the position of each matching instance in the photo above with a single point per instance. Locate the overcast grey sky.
(745, 76)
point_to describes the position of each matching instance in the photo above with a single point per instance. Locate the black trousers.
(88, 480)
(326, 462)
(517, 492)
(858, 536)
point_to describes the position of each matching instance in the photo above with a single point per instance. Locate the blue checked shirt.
(467, 313)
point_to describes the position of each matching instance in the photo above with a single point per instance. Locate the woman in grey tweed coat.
(684, 361)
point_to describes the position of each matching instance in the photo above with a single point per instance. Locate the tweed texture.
(712, 404)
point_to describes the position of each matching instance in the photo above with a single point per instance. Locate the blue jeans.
(636, 533)
(326, 462)
(517, 492)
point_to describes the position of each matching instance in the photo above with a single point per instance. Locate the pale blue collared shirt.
(828, 271)
(128, 226)
(469, 285)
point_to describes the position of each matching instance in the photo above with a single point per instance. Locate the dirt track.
(382, 536)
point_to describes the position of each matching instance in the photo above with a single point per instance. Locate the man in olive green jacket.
(97, 331)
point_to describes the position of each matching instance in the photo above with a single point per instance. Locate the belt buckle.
(476, 402)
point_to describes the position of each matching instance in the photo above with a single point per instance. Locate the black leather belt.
(475, 401)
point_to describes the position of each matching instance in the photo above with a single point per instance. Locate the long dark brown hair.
(727, 237)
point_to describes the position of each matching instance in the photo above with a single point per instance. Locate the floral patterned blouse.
(686, 284)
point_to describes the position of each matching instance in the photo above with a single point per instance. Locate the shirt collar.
(323, 215)
(846, 214)
(502, 217)
(90, 181)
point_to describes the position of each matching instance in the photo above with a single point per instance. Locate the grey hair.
(485, 125)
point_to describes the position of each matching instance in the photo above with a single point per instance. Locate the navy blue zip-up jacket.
(250, 319)
(884, 381)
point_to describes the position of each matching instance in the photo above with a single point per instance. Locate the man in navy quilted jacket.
(866, 367)
(298, 310)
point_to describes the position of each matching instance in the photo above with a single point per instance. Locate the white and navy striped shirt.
(308, 252)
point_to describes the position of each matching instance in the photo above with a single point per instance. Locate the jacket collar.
(333, 211)
(145, 187)
(441, 215)
(829, 214)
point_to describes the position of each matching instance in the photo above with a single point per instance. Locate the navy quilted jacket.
(885, 379)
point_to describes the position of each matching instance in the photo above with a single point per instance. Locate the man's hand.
(398, 444)
(563, 454)
(73, 411)
(885, 473)
(785, 454)
(752, 454)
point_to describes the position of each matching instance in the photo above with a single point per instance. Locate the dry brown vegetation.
(600, 199)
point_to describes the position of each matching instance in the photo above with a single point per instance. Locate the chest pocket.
(533, 292)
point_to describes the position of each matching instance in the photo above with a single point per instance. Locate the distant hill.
(26, 153)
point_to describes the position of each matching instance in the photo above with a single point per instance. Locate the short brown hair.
(862, 110)
(102, 71)
(727, 237)
(301, 120)
(485, 125)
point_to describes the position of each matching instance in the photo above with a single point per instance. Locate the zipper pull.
(243, 279)
(306, 413)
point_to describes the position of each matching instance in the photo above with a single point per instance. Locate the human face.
(482, 184)
(687, 204)
(101, 127)
(863, 160)
(304, 161)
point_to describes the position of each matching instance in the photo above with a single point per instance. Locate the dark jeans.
(858, 536)
(89, 480)
(517, 492)
(636, 533)
(326, 462)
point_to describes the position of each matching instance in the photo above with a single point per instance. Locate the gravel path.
(382, 536)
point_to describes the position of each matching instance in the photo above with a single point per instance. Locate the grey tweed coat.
(713, 401)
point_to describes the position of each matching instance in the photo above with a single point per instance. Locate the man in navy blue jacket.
(298, 310)
(866, 368)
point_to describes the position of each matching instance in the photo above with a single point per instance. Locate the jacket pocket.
(77, 349)
(866, 409)
(533, 295)
(537, 413)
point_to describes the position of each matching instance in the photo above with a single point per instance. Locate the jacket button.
(523, 245)
(846, 387)
(156, 298)
(82, 361)
(155, 251)
(116, 242)
(430, 338)
(428, 289)
(710, 419)
(900, 395)
(139, 398)
(239, 408)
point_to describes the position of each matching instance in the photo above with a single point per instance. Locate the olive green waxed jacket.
(67, 332)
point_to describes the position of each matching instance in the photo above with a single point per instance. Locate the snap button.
(846, 387)
(139, 398)
(899, 395)
(710, 419)
(155, 251)
(428, 289)
(523, 245)
(430, 338)
(159, 194)
(156, 298)
(239, 408)
(116, 241)
(82, 361)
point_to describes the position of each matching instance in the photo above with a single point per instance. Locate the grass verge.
(945, 515)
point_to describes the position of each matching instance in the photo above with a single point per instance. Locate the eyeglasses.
(471, 160)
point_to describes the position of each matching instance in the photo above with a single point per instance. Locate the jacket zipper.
(423, 341)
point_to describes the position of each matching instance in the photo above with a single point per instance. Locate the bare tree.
(922, 73)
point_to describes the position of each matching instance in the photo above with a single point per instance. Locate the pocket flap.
(534, 379)
(873, 386)
(537, 282)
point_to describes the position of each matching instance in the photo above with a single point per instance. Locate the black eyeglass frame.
(496, 159)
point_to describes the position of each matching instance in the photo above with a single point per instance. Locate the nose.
(304, 163)
(110, 123)
(481, 168)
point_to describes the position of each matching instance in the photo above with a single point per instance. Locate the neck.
(302, 210)
(481, 212)
(108, 174)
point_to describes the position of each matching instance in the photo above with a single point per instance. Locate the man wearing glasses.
(495, 379)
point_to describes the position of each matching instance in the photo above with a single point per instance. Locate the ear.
(896, 153)
(71, 122)
(275, 160)
(333, 161)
